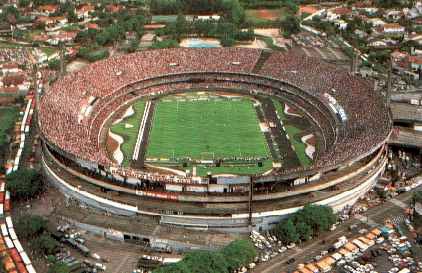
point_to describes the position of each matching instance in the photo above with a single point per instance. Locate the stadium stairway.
(283, 143)
(263, 57)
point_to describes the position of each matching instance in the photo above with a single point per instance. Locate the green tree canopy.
(206, 262)
(54, 64)
(286, 231)
(165, 44)
(24, 183)
(290, 25)
(45, 244)
(58, 267)
(174, 268)
(238, 253)
(30, 226)
(181, 25)
(304, 231)
(24, 3)
(319, 218)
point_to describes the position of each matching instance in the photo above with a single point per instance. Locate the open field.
(265, 14)
(8, 117)
(206, 129)
(246, 169)
(191, 127)
(262, 16)
(128, 129)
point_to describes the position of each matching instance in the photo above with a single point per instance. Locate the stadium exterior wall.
(155, 243)
(235, 223)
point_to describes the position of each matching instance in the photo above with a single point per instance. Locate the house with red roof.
(83, 11)
(48, 9)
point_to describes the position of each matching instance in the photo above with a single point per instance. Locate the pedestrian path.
(398, 203)
(366, 220)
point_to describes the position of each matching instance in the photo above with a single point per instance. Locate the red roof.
(40, 37)
(113, 8)
(363, 4)
(13, 79)
(66, 35)
(92, 26)
(10, 66)
(86, 8)
(308, 9)
(49, 8)
(415, 60)
(342, 11)
(9, 90)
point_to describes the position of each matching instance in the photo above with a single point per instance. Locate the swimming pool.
(200, 43)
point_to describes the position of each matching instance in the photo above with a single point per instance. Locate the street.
(392, 209)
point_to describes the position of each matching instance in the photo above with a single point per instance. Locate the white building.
(393, 29)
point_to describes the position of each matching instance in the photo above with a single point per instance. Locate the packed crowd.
(368, 122)
(117, 80)
(21, 56)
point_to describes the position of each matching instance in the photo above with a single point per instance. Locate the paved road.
(278, 264)
(392, 209)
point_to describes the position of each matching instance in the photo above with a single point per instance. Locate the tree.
(319, 218)
(174, 268)
(290, 25)
(389, 3)
(165, 44)
(291, 6)
(24, 3)
(10, 14)
(181, 25)
(227, 32)
(45, 244)
(134, 23)
(30, 226)
(286, 231)
(206, 262)
(58, 267)
(44, 2)
(24, 183)
(166, 6)
(380, 56)
(54, 64)
(238, 253)
(304, 231)
(133, 45)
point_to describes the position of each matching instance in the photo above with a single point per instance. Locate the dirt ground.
(121, 257)
(76, 65)
(257, 43)
(266, 14)
(269, 32)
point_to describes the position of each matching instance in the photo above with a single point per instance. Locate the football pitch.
(205, 130)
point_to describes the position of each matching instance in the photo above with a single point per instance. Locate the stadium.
(216, 139)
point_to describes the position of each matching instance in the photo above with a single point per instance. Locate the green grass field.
(237, 169)
(8, 116)
(293, 133)
(129, 133)
(205, 130)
